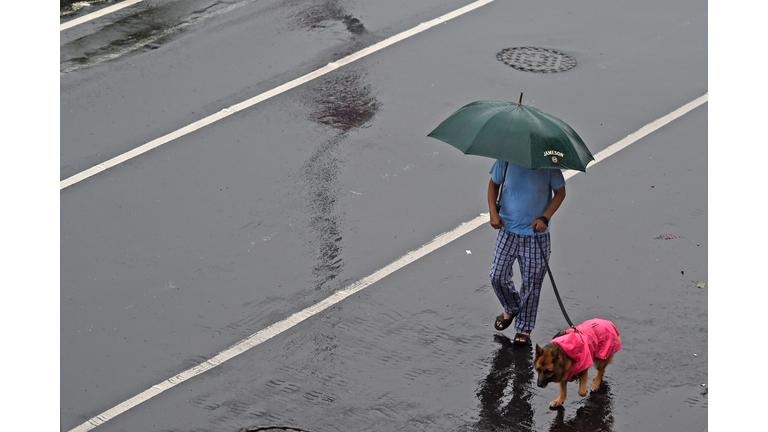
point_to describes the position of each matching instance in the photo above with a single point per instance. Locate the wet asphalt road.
(181, 252)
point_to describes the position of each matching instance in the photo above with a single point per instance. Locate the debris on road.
(668, 237)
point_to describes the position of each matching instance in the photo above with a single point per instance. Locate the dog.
(571, 352)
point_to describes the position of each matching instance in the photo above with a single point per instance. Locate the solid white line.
(281, 326)
(97, 14)
(226, 112)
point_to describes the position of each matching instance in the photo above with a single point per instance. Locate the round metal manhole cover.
(273, 429)
(533, 59)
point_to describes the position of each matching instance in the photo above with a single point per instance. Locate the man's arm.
(493, 192)
(539, 226)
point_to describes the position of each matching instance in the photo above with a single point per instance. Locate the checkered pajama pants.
(524, 303)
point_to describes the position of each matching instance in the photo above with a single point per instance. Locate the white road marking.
(281, 326)
(226, 112)
(99, 13)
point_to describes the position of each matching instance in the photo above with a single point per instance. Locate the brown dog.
(571, 352)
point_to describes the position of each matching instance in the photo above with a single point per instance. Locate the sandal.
(502, 323)
(526, 339)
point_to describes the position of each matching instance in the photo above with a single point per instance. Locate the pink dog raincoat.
(596, 338)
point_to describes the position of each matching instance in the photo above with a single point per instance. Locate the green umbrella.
(515, 133)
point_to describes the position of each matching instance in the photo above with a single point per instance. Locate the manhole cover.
(533, 59)
(273, 429)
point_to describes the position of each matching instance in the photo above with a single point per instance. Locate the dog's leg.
(600, 365)
(559, 401)
(598, 378)
(583, 383)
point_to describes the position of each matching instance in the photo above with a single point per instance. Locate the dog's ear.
(539, 350)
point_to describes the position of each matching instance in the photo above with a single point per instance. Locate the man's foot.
(503, 321)
(522, 339)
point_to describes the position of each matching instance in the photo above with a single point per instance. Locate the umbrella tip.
(521, 99)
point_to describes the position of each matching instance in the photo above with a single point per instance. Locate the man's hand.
(539, 226)
(493, 191)
(496, 220)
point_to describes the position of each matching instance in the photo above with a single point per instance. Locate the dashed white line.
(268, 94)
(99, 13)
(281, 326)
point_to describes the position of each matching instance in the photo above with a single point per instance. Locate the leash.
(552, 279)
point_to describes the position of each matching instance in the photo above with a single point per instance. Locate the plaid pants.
(524, 304)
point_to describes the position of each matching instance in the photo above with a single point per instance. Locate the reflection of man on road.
(509, 368)
(527, 205)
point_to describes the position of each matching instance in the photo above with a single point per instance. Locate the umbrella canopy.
(515, 133)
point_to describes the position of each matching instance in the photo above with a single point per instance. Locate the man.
(527, 205)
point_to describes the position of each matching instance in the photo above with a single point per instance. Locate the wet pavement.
(179, 253)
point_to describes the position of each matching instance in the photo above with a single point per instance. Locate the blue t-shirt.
(526, 196)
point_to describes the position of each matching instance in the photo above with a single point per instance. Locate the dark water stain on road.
(342, 102)
(319, 14)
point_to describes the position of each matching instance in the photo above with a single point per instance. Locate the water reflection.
(511, 368)
(596, 415)
(341, 102)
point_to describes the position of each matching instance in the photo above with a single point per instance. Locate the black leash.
(552, 279)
